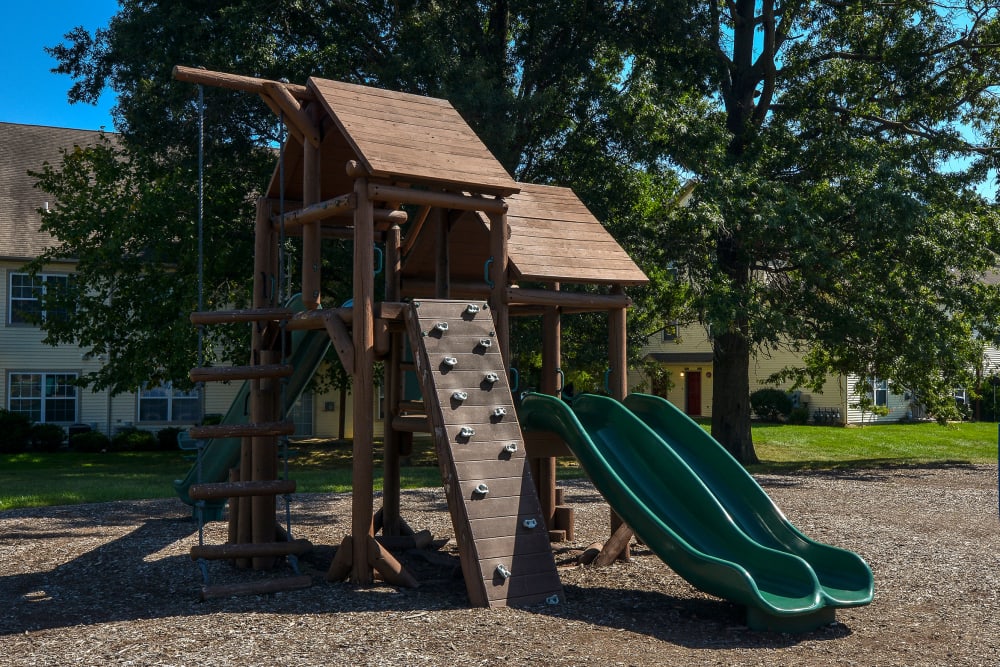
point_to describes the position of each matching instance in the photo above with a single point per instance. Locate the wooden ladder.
(251, 547)
(502, 539)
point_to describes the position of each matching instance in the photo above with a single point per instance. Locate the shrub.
(47, 437)
(166, 438)
(89, 442)
(771, 404)
(211, 418)
(799, 415)
(15, 432)
(132, 439)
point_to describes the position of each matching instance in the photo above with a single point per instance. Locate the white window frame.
(166, 392)
(37, 288)
(880, 389)
(46, 393)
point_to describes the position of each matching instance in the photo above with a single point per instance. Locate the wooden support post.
(499, 237)
(551, 362)
(264, 403)
(363, 327)
(311, 236)
(393, 392)
(442, 255)
(618, 545)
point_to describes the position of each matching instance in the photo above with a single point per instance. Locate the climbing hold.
(530, 523)
(552, 599)
(459, 396)
(510, 448)
(441, 326)
(466, 432)
(450, 362)
(482, 489)
(503, 571)
(499, 412)
(472, 309)
(491, 378)
(485, 343)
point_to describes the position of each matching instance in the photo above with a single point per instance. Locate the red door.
(692, 393)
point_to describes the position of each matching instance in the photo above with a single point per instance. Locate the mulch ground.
(114, 584)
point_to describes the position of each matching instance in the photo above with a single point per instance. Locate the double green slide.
(697, 508)
(305, 354)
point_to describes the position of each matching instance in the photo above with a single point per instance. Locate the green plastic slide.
(305, 355)
(683, 520)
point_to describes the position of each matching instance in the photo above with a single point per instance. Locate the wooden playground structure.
(479, 249)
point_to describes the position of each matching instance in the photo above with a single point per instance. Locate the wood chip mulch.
(114, 584)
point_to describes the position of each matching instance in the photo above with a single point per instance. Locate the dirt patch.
(114, 584)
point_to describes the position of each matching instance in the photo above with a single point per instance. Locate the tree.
(836, 147)
(541, 83)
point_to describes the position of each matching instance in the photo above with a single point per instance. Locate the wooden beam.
(411, 238)
(248, 84)
(293, 112)
(341, 338)
(379, 192)
(516, 296)
(317, 212)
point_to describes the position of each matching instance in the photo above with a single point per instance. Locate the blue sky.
(29, 92)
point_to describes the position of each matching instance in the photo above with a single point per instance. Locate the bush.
(132, 439)
(771, 404)
(166, 438)
(89, 442)
(211, 418)
(47, 437)
(15, 432)
(799, 415)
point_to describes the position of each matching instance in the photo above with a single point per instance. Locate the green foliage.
(770, 404)
(47, 437)
(15, 432)
(132, 439)
(798, 416)
(90, 442)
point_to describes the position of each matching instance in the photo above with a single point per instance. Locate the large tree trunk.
(731, 396)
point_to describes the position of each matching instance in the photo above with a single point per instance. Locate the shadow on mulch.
(126, 580)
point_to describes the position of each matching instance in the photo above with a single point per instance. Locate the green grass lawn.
(32, 480)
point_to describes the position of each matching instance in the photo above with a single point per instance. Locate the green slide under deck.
(696, 507)
(220, 454)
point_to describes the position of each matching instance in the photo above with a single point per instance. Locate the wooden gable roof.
(553, 238)
(411, 138)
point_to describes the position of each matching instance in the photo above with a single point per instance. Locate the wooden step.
(243, 315)
(411, 424)
(228, 373)
(242, 430)
(250, 550)
(217, 490)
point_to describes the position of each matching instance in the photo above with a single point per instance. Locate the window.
(163, 403)
(25, 301)
(302, 414)
(880, 392)
(43, 397)
(670, 331)
(961, 398)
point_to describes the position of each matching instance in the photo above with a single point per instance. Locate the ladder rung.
(226, 373)
(250, 550)
(411, 424)
(411, 406)
(244, 315)
(216, 490)
(242, 430)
